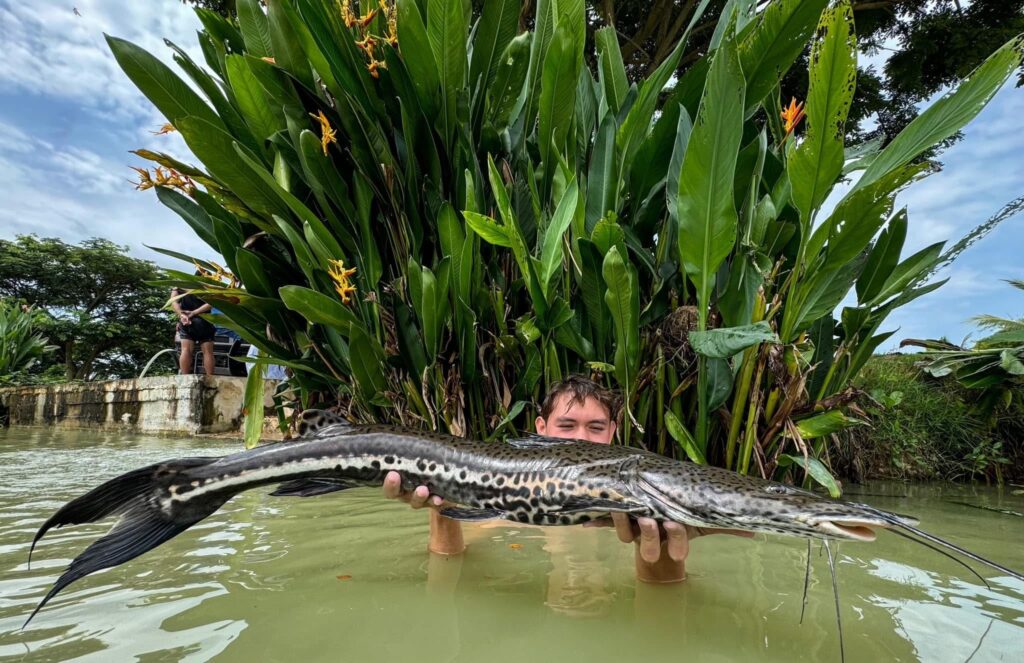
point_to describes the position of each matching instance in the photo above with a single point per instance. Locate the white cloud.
(14, 140)
(49, 51)
(75, 194)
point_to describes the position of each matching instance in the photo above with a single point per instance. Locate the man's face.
(580, 421)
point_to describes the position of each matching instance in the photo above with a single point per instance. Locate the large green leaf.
(194, 215)
(488, 229)
(857, 218)
(507, 83)
(204, 132)
(499, 21)
(286, 44)
(819, 295)
(255, 28)
(543, 31)
(774, 43)
(816, 469)
(719, 383)
(417, 54)
(602, 180)
(884, 257)
(453, 244)
(705, 208)
(826, 423)
(679, 433)
(947, 115)
(728, 341)
(906, 272)
(623, 300)
(818, 160)
(252, 406)
(250, 270)
(169, 94)
(215, 94)
(610, 68)
(429, 295)
(592, 287)
(551, 245)
(684, 127)
(251, 100)
(368, 363)
(557, 98)
(318, 308)
(446, 32)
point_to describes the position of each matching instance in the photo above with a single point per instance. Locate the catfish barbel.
(538, 480)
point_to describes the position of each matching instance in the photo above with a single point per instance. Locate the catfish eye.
(778, 490)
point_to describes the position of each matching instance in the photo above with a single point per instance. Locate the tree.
(97, 308)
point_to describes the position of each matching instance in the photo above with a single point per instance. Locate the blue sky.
(68, 118)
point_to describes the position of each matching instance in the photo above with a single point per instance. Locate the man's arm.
(445, 533)
(205, 308)
(660, 560)
(176, 305)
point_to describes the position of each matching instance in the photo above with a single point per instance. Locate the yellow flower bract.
(342, 285)
(327, 135)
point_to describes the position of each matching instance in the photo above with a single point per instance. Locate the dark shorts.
(199, 331)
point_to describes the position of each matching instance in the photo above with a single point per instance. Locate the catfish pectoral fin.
(311, 487)
(579, 503)
(469, 515)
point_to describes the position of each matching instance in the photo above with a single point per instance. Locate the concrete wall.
(172, 404)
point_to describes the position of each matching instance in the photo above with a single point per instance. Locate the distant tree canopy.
(97, 307)
(933, 44)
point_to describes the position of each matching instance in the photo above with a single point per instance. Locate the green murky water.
(346, 577)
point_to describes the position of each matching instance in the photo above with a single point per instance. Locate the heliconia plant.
(429, 216)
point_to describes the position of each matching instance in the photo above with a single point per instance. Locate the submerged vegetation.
(430, 216)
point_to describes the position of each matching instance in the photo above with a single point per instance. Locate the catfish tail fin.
(144, 524)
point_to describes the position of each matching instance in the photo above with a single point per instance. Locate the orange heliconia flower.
(792, 115)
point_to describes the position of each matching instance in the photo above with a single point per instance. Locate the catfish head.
(713, 497)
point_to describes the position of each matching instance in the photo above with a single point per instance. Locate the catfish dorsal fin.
(321, 423)
(535, 441)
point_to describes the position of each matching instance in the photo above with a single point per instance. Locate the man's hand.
(677, 536)
(417, 499)
(445, 533)
(184, 319)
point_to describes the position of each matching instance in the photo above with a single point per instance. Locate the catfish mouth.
(855, 530)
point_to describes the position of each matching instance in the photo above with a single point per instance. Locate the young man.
(578, 408)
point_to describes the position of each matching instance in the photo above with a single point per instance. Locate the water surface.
(347, 577)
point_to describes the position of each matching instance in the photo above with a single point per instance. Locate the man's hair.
(580, 388)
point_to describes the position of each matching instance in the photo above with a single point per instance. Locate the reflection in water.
(347, 576)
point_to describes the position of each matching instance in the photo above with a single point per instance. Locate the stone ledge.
(169, 404)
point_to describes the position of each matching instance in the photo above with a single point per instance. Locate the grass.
(927, 428)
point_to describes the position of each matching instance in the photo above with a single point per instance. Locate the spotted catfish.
(539, 480)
